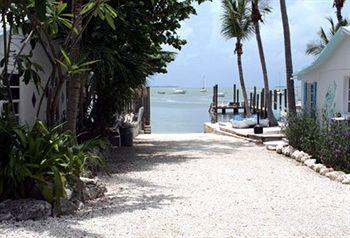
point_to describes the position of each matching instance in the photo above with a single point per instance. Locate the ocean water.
(186, 113)
(183, 113)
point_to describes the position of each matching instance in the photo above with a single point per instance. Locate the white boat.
(204, 88)
(179, 91)
(221, 95)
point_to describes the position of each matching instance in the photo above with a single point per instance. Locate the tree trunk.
(239, 52)
(288, 58)
(339, 4)
(75, 82)
(270, 115)
(339, 15)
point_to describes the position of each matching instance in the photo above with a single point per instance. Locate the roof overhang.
(338, 38)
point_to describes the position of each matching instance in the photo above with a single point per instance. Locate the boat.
(249, 122)
(179, 91)
(204, 88)
(161, 92)
(221, 95)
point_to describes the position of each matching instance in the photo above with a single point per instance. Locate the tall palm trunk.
(239, 52)
(339, 4)
(339, 15)
(74, 84)
(288, 58)
(256, 17)
(270, 115)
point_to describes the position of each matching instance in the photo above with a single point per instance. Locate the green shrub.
(328, 142)
(39, 160)
(335, 145)
(303, 131)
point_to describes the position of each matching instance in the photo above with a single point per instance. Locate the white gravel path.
(204, 185)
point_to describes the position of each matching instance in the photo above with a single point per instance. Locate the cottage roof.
(338, 38)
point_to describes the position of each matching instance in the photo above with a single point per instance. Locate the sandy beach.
(203, 185)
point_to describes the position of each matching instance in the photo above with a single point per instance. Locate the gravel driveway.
(204, 185)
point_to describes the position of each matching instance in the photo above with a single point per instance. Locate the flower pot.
(126, 136)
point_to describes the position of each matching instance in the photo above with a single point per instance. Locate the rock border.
(79, 190)
(310, 162)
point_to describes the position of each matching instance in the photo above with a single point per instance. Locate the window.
(15, 91)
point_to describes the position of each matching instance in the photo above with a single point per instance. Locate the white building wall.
(29, 94)
(336, 70)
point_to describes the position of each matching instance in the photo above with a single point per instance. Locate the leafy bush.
(335, 145)
(303, 131)
(38, 160)
(328, 142)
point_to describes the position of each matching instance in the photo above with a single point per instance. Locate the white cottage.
(325, 84)
(26, 97)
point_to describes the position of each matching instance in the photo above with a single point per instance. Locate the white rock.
(301, 155)
(288, 151)
(279, 149)
(341, 176)
(325, 170)
(305, 157)
(346, 179)
(271, 147)
(336, 176)
(295, 154)
(309, 162)
(285, 150)
(318, 167)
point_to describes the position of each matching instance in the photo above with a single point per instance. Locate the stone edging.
(308, 161)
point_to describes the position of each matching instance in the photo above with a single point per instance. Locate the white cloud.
(208, 52)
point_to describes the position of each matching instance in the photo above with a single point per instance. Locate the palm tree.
(315, 47)
(288, 58)
(74, 84)
(256, 19)
(339, 4)
(236, 24)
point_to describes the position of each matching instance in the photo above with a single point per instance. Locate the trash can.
(126, 136)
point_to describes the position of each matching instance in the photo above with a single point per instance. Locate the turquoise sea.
(183, 113)
(186, 113)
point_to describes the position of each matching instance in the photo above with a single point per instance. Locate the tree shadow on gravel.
(146, 154)
(128, 195)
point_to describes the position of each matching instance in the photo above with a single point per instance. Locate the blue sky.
(209, 54)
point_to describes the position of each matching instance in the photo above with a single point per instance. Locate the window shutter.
(315, 96)
(305, 95)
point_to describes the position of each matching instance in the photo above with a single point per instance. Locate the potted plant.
(126, 129)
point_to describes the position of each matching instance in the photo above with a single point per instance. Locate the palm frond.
(236, 21)
(314, 48)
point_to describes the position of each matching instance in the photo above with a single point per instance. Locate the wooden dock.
(256, 102)
(235, 107)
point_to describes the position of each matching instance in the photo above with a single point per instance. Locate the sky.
(209, 55)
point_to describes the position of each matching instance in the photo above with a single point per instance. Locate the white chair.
(138, 123)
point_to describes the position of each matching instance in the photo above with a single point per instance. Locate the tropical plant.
(339, 4)
(303, 131)
(325, 140)
(236, 23)
(128, 56)
(256, 17)
(288, 58)
(316, 47)
(334, 145)
(36, 161)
